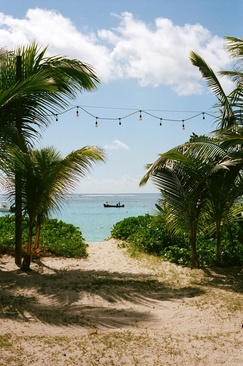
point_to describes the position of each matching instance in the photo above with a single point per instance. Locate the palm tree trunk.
(193, 245)
(18, 181)
(37, 240)
(218, 249)
(18, 220)
(27, 258)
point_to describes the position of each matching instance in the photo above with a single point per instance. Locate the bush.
(125, 228)
(57, 237)
(177, 254)
(148, 234)
(63, 239)
(144, 233)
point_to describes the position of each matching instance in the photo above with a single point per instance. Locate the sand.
(112, 309)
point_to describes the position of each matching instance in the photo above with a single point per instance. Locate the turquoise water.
(87, 212)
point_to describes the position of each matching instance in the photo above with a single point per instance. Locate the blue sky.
(140, 51)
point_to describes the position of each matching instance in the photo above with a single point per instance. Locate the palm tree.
(226, 117)
(46, 178)
(229, 106)
(225, 187)
(203, 172)
(223, 183)
(195, 175)
(33, 88)
(180, 177)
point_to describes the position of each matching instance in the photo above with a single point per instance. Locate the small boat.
(117, 205)
(4, 207)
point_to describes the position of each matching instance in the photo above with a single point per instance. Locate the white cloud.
(122, 184)
(154, 55)
(116, 144)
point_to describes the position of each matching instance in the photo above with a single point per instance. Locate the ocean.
(87, 211)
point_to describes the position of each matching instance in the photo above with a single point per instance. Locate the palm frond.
(227, 116)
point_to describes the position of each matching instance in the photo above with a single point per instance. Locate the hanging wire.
(140, 112)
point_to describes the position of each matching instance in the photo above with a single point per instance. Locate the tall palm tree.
(177, 174)
(228, 183)
(196, 174)
(203, 172)
(224, 183)
(235, 48)
(22, 114)
(46, 177)
(229, 106)
(226, 117)
(224, 190)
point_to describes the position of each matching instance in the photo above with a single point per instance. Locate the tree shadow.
(85, 297)
(230, 278)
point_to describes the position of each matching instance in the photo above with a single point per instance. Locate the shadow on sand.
(95, 298)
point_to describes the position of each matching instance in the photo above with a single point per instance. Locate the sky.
(139, 50)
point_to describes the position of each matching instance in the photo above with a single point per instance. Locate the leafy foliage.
(125, 228)
(145, 233)
(205, 174)
(32, 88)
(57, 237)
(149, 234)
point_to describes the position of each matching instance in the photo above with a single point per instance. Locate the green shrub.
(144, 233)
(7, 230)
(177, 254)
(125, 228)
(232, 255)
(148, 234)
(57, 237)
(152, 237)
(63, 239)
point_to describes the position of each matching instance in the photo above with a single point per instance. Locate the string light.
(140, 111)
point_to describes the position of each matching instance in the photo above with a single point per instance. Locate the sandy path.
(111, 309)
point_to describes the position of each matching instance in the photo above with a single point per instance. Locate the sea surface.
(87, 211)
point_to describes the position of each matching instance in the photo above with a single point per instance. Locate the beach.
(114, 309)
